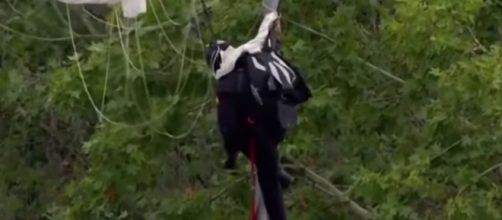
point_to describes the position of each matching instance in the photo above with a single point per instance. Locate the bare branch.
(324, 184)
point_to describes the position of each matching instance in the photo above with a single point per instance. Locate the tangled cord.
(129, 63)
(123, 37)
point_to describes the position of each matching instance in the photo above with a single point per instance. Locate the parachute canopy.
(131, 8)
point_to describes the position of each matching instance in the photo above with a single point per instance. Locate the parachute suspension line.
(123, 43)
(360, 59)
(40, 38)
(129, 26)
(202, 45)
(171, 44)
(107, 73)
(202, 105)
(99, 20)
(208, 18)
(169, 19)
(128, 63)
(178, 91)
(99, 111)
(182, 67)
(141, 69)
(68, 38)
(81, 75)
(35, 37)
(180, 88)
(185, 82)
(2, 56)
(178, 85)
(13, 8)
(142, 66)
(86, 88)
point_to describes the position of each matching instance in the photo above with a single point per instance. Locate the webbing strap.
(271, 5)
(252, 149)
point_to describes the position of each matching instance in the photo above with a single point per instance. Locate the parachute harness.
(254, 179)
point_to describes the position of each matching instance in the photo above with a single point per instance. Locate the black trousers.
(234, 112)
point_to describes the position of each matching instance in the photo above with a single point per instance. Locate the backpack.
(269, 72)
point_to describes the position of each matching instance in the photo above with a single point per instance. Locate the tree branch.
(301, 170)
(476, 179)
(225, 189)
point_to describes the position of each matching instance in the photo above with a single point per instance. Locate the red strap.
(252, 149)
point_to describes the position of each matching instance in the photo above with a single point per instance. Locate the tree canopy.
(107, 118)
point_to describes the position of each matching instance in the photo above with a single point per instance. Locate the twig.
(14, 9)
(334, 191)
(375, 15)
(330, 39)
(473, 35)
(385, 72)
(317, 186)
(225, 189)
(492, 168)
(446, 150)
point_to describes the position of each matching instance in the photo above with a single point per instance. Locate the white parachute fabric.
(133, 8)
(230, 56)
(110, 2)
(261, 210)
(270, 5)
(130, 8)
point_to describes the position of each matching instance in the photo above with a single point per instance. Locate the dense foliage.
(102, 118)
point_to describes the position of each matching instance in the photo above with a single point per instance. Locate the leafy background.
(102, 118)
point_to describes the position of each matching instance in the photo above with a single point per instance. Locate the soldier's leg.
(230, 127)
(267, 133)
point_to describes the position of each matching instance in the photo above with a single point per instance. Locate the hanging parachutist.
(258, 92)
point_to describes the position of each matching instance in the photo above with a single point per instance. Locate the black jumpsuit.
(236, 108)
(257, 91)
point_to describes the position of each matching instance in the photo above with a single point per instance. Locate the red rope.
(252, 149)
